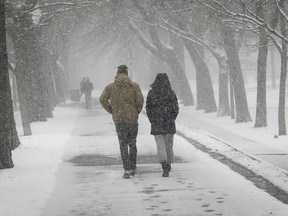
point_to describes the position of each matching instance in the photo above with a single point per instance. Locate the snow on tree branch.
(255, 20)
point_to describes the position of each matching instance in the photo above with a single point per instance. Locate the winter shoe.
(126, 175)
(165, 167)
(169, 166)
(165, 173)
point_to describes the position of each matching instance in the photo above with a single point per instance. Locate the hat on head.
(122, 69)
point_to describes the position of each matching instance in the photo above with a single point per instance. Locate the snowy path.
(198, 185)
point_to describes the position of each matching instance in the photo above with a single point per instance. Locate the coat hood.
(161, 82)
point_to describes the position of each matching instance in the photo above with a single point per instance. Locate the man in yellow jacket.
(124, 100)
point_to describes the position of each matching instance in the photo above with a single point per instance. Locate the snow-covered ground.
(26, 188)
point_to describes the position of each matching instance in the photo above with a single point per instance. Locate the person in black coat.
(162, 109)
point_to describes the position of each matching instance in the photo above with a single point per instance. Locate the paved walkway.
(89, 180)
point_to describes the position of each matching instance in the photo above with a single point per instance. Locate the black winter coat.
(162, 106)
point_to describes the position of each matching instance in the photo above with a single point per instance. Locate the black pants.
(127, 134)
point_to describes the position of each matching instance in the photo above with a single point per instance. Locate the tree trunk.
(242, 112)
(15, 92)
(282, 88)
(7, 126)
(232, 100)
(22, 86)
(224, 108)
(273, 70)
(28, 74)
(59, 81)
(178, 48)
(204, 88)
(205, 92)
(36, 96)
(261, 106)
(184, 88)
(49, 67)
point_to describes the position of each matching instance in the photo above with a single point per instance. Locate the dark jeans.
(127, 134)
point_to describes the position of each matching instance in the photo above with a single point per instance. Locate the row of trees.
(221, 26)
(165, 28)
(43, 31)
(39, 49)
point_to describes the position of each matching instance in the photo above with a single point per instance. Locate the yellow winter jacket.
(123, 99)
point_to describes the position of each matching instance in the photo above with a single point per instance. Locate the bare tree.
(157, 47)
(283, 76)
(178, 21)
(261, 110)
(8, 135)
(275, 34)
(242, 111)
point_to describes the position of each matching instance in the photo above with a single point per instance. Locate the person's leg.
(122, 137)
(86, 100)
(169, 149)
(89, 98)
(132, 136)
(161, 150)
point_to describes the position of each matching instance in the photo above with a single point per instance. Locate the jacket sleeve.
(104, 100)
(175, 109)
(139, 99)
(149, 106)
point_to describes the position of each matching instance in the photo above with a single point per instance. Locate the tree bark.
(7, 126)
(273, 70)
(178, 48)
(282, 88)
(242, 112)
(232, 100)
(28, 73)
(205, 92)
(22, 86)
(224, 108)
(261, 106)
(36, 96)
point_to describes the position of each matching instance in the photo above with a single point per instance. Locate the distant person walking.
(82, 82)
(162, 109)
(124, 100)
(86, 88)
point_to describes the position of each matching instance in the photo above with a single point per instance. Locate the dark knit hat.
(122, 69)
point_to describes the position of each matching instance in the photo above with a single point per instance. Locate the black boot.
(169, 166)
(165, 169)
